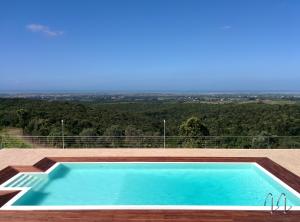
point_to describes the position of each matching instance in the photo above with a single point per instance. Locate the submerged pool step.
(28, 182)
(18, 180)
(33, 182)
(25, 181)
(38, 184)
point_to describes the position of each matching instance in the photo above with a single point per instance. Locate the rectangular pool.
(147, 185)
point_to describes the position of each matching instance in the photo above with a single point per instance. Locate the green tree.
(87, 137)
(37, 127)
(54, 138)
(264, 140)
(114, 130)
(23, 117)
(132, 131)
(193, 127)
(133, 137)
(114, 136)
(193, 131)
(88, 132)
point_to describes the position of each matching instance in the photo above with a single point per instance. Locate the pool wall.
(46, 165)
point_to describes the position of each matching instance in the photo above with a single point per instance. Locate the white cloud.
(44, 29)
(226, 27)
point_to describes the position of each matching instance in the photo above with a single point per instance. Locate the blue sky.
(160, 45)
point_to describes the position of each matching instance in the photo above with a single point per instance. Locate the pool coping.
(47, 164)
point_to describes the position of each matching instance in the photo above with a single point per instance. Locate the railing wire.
(242, 142)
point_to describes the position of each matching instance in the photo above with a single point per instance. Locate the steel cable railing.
(149, 142)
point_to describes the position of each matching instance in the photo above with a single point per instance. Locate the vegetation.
(10, 140)
(128, 119)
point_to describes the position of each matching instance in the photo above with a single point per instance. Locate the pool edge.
(47, 164)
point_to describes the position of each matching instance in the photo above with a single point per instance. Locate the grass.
(9, 139)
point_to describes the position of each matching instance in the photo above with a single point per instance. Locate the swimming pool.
(145, 185)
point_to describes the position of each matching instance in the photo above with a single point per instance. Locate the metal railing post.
(164, 133)
(62, 134)
(1, 142)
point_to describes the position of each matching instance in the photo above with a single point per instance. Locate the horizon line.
(12, 92)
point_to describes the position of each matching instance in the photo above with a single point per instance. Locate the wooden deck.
(148, 215)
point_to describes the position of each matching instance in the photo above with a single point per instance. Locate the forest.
(126, 119)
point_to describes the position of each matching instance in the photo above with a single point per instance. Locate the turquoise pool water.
(221, 184)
